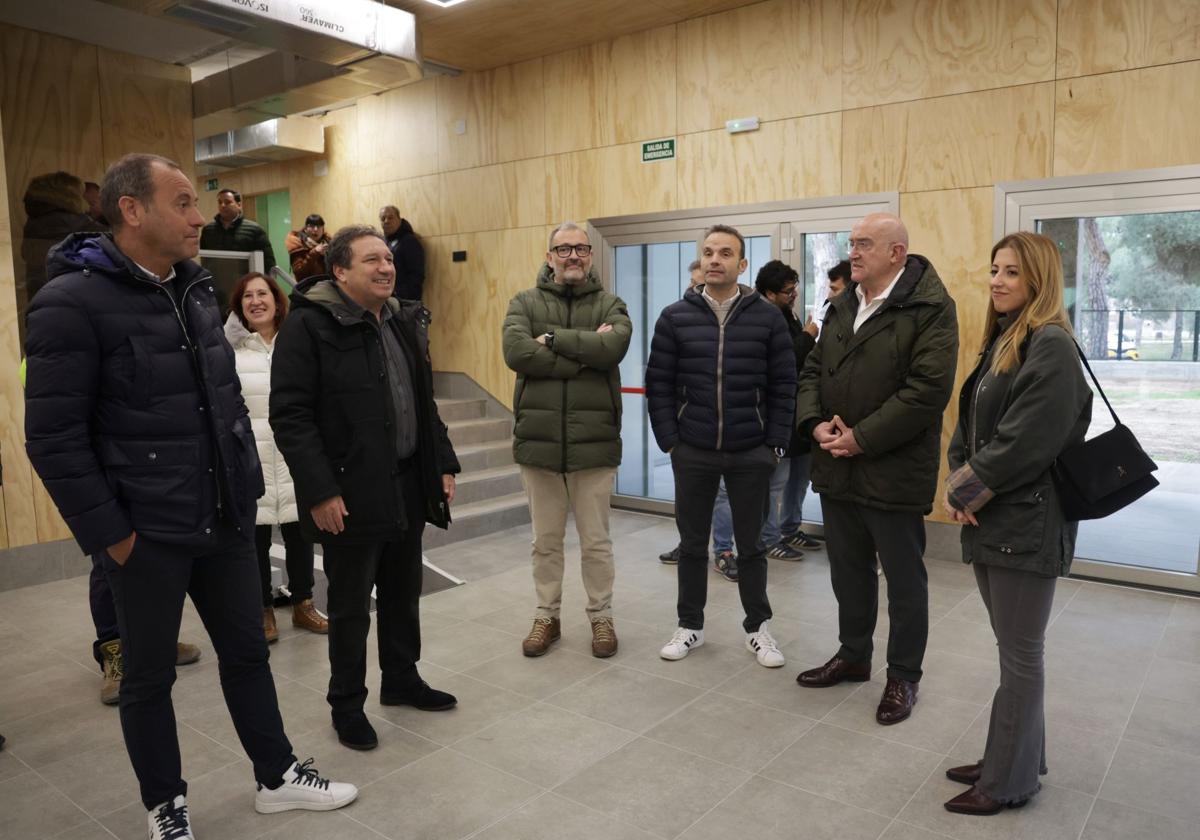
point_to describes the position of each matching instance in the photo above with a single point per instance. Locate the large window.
(1130, 246)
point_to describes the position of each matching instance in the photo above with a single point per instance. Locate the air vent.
(209, 20)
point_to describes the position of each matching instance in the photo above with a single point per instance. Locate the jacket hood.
(321, 291)
(695, 295)
(97, 252)
(545, 280)
(47, 194)
(919, 284)
(405, 229)
(235, 333)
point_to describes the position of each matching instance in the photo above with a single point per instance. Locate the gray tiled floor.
(635, 747)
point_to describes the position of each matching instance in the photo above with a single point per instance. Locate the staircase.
(489, 495)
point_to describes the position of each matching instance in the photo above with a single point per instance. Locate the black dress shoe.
(899, 697)
(834, 671)
(423, 697)
(977, 804)
(356, 733)
(968, 774)
(670, 557)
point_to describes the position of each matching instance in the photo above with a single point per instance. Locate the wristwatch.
(779, 452)
(549, 336)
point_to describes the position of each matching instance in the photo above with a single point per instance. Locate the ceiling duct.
(265, 142)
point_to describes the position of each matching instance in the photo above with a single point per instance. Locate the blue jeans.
(722, 522)
(779, 480)
(793, 495)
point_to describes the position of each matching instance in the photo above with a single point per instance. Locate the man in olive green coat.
(565, 338)
(872, 394)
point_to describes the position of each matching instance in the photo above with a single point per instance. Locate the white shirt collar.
(882, 295)
(170, 274)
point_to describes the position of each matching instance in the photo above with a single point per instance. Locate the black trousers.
(104, 612)
(394, 569)
(223, 584)
(747, 481)
(854, 536)
(299, 554)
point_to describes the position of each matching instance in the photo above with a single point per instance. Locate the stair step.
(482, 456)
(466, 432)
(451, 410)
(479, 518)
(480, 485)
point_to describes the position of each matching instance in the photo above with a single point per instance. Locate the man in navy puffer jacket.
(721, 388)
(135, 422)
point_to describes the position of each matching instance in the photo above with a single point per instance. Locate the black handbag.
(1102, 475)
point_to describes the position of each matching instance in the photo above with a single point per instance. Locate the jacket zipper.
(757, 412)
(721, 367)
(682, 405)
(570, 301)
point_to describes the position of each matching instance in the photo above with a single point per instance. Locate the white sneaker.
(683, 642)
(762, 645)
(304, 790)
(169, 821)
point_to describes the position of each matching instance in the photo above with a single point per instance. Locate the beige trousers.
(584, 493)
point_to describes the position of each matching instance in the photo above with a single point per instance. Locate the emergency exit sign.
(658, 150)
(210, 185)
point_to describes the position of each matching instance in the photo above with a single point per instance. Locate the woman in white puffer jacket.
(256, 308)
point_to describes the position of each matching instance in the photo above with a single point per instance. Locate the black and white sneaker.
(169, 821)
(802, 541)
(783, 551)
(682, 643)
(304, 790)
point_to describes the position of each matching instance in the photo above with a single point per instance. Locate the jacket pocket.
(683, 403)
(758, 408)
(158, 481)
(1014, 523)
(140, 381)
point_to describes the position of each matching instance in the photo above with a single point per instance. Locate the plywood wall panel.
(899, 50)
(145, 106)
(953, 228)
(1099, 36)
(771, 60)
(956, 141)
(501, 110)
(507, 195)
(797, 158)
(398, 133)
(419, 200)
(613, 92)
(1130, 120)
(611, 181)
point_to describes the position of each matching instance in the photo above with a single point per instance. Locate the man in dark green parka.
(872, 394)
(565, 339)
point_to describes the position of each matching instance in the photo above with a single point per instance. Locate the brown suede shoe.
(899, 697)
(977, 804)
(269, 628)
(110, 688)
(545, 632)
(967, 774)
(306, 617)
(834, 671)
(186, 654)
(604, 638)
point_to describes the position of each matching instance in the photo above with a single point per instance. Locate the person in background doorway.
(408, 254)
(231, 231)
(256, 309)
(839, 278)
(306, 248)
(1026, 401)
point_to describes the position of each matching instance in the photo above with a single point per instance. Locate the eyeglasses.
(564, 251)
(861, 244)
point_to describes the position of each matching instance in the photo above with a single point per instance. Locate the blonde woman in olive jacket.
(1025, 403)
(256, 308)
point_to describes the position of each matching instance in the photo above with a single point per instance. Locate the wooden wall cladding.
(611, 181)
(613, 92)
(507, 195)
(1137, 119)
(953, 228)
(398, 133)
(798, 158)
(1099, 36)
(972, 139)
(146, 105)
(772, 60)
(469, 299)
(419, 201)
(501, 112)
(898, 50)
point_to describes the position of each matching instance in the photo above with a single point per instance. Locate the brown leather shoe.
(545, 632)
(977, 804)
(306, 617)
(967, 774)
(186, 654)
(834, 671)
(899, 697)
(269, 628)
(604, 638)
(111, 661)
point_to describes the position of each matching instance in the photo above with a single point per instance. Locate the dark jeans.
(747, 479)
(394, 569)
(223, 584)
(854, 535)
(104, 611)
(299, 553)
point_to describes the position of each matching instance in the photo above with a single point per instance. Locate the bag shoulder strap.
(1095, 381)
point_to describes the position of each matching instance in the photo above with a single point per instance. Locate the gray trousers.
(1018, 604)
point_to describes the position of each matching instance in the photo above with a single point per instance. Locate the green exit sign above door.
(658, 150)
(210, 185)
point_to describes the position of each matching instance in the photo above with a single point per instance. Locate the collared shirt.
(866, 310)
(721, 308)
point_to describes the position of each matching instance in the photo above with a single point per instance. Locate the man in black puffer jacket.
(721, 388)
(135, 422)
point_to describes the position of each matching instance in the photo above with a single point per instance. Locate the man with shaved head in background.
(872, 394)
